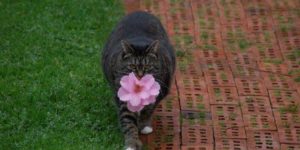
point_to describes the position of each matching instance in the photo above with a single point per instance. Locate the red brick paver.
(237, 79)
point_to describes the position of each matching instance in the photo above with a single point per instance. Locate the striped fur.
(138, 44)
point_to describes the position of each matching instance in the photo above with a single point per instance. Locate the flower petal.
(134, 108)
(144, 94)
(127, 83)
(147, 81)
(124, 80)
(135, 100)
(133, 78)
(124, 95)
(152, 99)
(147, 101)
(154, 90)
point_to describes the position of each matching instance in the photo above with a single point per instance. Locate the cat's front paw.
(147, 130)
(129, 148)
(134, 145)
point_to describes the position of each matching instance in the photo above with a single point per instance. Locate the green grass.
(52, 91)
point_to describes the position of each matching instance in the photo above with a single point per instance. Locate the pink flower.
(138, 93)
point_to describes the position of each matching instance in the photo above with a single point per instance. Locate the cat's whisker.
(122, 72)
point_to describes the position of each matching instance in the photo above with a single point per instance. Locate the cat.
(138, 44)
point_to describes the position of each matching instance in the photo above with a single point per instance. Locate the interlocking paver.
(255, 105)
(167, 132)
(229, 130)
(223, 95)
(226, 113)
(273, 81)
(289, 135)
(283, 4)
(273, 68)
(214, 65)
(228, 144)
(286, 119)
(284, 98)
(195, 118)
(240, 71)
(259, 121)
(262, 140)
(237, 78)
(219, 78)
(243, 59)
(197, 135)
(250, 87)
(202, 147)
(290, 146)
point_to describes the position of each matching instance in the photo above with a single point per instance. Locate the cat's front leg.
(145, 117)
(129, 126)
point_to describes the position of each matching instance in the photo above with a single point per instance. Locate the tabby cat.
(138, 44)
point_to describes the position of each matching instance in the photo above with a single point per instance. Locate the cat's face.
(140, 60)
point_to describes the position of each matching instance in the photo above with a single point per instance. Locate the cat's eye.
(132, 66)
(147, 66)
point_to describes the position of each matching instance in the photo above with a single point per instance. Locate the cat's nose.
(139, 74)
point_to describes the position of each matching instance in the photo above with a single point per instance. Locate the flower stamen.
(138, 88)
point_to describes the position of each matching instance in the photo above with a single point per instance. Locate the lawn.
(52, 91)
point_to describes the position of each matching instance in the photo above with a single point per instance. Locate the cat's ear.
(153, 48)
(127, 49)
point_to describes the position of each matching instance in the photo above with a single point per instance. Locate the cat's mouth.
(139, 75)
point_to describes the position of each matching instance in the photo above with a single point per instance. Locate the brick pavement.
(237, 79)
